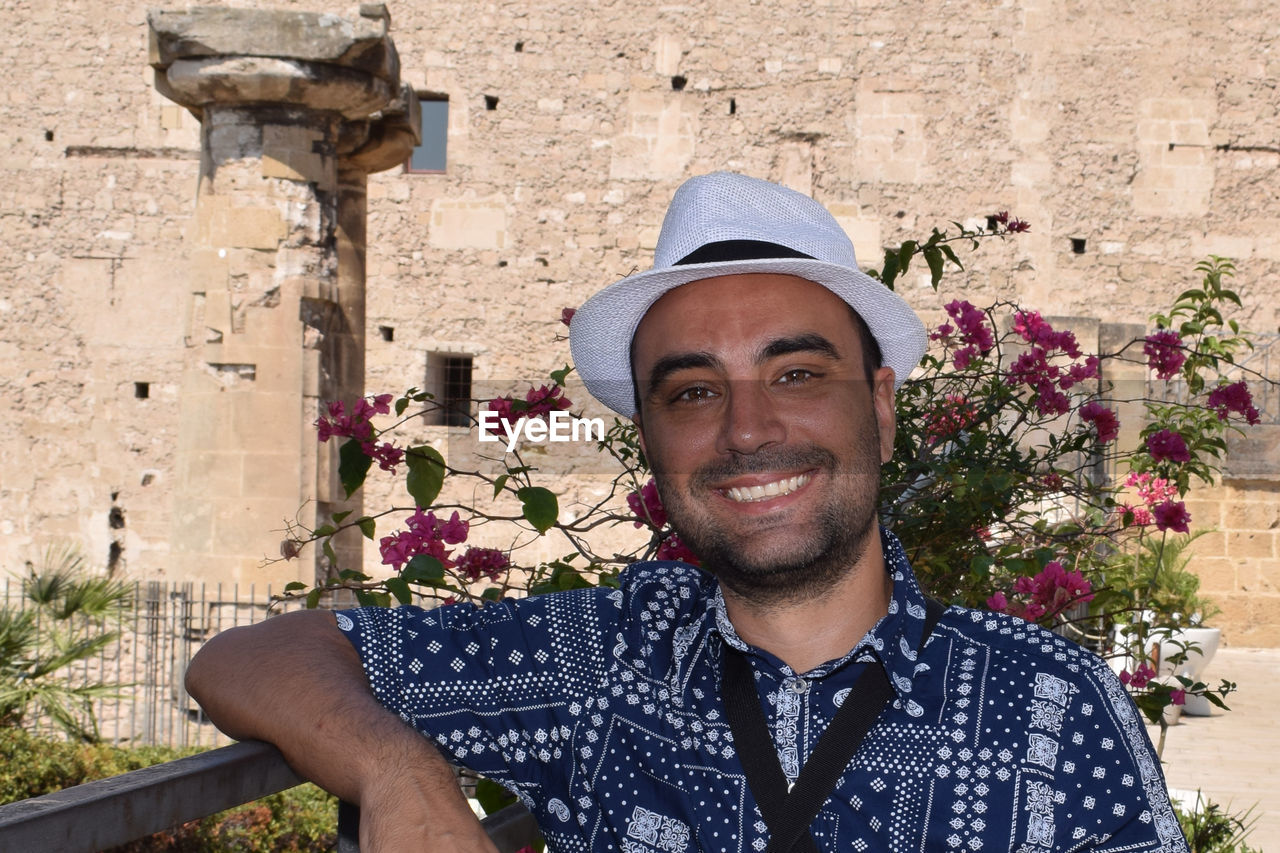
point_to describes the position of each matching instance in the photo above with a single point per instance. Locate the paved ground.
(1234, 756)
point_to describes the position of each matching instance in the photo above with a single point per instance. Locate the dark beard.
(842, 529)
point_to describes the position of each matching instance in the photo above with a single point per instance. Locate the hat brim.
(602, 329)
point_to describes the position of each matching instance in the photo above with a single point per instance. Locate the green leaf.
(339, 517)
(324, 530)
(558, 376)
(426, 474)
(423, 568)
(400, 589)
(540, 507)
(890, 271)
(367, 526)
(353, 466)
(491, 593)
(499, 483)
(904, 255)
(933, 257)
(294, 586)
(313, 598)
(401, 405)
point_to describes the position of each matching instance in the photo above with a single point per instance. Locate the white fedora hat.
(726, 224)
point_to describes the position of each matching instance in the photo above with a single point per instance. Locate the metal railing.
(160, 627)
(97, 815)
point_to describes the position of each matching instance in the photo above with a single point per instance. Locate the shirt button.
(797, 685)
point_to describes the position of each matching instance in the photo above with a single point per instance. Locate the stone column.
(273, 326)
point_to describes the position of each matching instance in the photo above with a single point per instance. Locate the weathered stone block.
(1251, 544)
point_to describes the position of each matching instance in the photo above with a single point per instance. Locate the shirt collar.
(893, 640)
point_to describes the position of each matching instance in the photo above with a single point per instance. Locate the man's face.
(764, 434)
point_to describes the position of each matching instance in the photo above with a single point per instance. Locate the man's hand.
(296, 682)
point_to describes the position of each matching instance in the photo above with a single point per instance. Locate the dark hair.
(871, 358)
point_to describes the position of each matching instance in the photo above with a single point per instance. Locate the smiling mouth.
(778, 488)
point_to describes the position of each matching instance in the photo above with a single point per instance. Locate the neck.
(807, 633)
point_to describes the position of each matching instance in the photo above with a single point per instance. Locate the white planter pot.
(1200, 644)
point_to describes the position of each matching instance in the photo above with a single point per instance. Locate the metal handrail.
(96, 815)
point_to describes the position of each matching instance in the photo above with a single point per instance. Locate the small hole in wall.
(142, 390)
(733, 106)
(113, 557)
(490, 102)
(992, 223)
(1077, 245)
(388, 333)
(48, 136)
(115, 518)
(502, 263)
(678, 82)
(519, 47)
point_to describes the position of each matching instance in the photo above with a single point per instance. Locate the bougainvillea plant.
(1008, 486)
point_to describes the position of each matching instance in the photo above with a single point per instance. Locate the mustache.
(769, 459)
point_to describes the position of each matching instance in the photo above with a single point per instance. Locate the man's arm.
(295, 681)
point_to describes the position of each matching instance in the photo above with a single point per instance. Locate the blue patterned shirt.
(601, 709)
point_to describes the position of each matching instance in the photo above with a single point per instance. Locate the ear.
(882, 400)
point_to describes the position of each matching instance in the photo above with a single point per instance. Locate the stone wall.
(1151, 138)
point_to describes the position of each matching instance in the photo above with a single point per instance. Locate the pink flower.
(647, 507)
(1171, 516)
(476, 563)
(975, 331)
(426, 534)
(953, 414)
(1163, 350)
(355, 425)
(1233, 397)
(388, 456)
(1139, 678)
(1178, 697)
(998, 602)
(1152, 490)
(1168, 445)
(1017, 226)
(566, 315)
(1104, 420)
(673, 548)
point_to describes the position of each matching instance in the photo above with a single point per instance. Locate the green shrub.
(301, 819)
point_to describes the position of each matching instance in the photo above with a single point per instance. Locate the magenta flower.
(426, 534)
(998, 602)
(673, 548)
(566, 315)
(476, 563)
(1139, 678)
(1104, 420)
(355, 425)
(1167, 445)
(647, 507)
(1171, 515)
(1163, 350)
(1233, 397)
(1178, 697)
(976, 334)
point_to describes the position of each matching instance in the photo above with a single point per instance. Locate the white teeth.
(749, 494)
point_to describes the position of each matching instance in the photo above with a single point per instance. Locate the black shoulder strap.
(789, 813)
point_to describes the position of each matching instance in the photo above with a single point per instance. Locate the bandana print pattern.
(601, 709)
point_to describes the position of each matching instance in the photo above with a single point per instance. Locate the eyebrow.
(803, 342)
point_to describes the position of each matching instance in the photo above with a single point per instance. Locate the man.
(679, 712)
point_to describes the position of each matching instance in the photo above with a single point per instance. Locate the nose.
(750, 420)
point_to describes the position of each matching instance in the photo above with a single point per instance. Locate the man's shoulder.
(1014, 642)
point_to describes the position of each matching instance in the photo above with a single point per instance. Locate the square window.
(429, 156)
(449, 379)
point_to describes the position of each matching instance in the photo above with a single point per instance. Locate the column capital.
(386, 139)
(214, 56)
